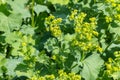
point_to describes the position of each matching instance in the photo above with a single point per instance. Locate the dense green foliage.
(59, 39)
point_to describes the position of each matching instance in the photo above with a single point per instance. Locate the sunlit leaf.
(92, 66)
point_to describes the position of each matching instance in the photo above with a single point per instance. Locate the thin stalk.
(33, 20)
(82, 56)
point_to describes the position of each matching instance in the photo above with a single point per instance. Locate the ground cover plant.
(59, 39)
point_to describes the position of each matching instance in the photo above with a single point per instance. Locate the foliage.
(59, 40)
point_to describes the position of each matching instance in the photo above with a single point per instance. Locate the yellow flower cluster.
(78, 18)
(54, 57)
(118, 7)
(84, 31)
(70, 76)
(99, 49)
(115, 9)
(110, 1)
(55, 31)
(26, 47)
(117, 55)
(108, 19)
(46, 77)
(84, 46)
(73, 14)
(58, 57)
(113, 65)
(114, 3)
(53, 25)
(61, 76)
(117, 16)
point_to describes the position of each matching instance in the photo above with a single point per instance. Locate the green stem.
(82, 56)
(33, 21)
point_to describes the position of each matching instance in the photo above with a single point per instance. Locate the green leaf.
(2, 2)
(41, 8)
(3, 26)
(14, 21)
(2, 62)
(11, 38)
(42, 58)
(56, 50)
(114, 27)
(28, 73)
(69, 37)
(92, 66)
(11, 22)
(115, 30)
(75, 67)
(2, 59)
(11, 64)
(51, 44)
(19, 7)
(23, 69)
(61, 2)
(27, 29)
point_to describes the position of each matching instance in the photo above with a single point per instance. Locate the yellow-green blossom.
(73, 13)
(93, 19)
(24, 44)
(54, 57)
(95, 33)
(99, 49)
(53, 25)
(108, 19)
(110, 1)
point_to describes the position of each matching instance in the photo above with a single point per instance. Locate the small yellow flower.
(85, 48)
(55, 31)
(114, 4)
(88, 36)
(108, 72)
(108, 19)
(110, 60)
(75, 43)
(34, 78)
(89, 45)
(118, 7)
(24, 44)
(77, 77)
(108, 66)
(51, 16)
(81, 36)
(93, 19)
(41, 78)
(95, 33)
(59, 20)
(115, 68)
(73, 13)
(77, 29)
(86, 24)
(99, 49)
(54, 57)
(117, 16)
(83, 14)
(52, 77)
(110, 1)
(116, 53)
